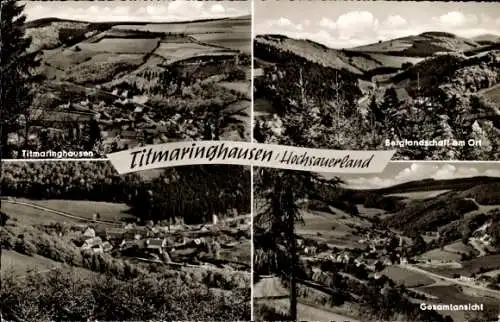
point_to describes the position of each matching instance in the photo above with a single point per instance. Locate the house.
(97, 249)
(106, 246)
(310, 250)
(129, 244)
(114, 234)
(156, 244)
(89, 232)
(132, 234)
(91, 242)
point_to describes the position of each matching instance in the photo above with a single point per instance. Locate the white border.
(252, 34)
(107, 160)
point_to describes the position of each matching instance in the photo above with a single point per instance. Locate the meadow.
(395, 61)
(178, 51)
(406, 277)
(120, 45)
(214, 26)
(85, 209)
(485, 263)
(27, 214)
(419, 194)
(102, 68)
(20, 264)
(236, 40)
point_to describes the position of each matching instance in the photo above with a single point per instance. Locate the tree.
(419, 245)
(18, 64)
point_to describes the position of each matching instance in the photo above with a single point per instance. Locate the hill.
(434, 86)
(486, 39)
(423, 45)
(126, 81)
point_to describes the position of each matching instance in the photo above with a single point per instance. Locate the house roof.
(93, 241)
(155, 242)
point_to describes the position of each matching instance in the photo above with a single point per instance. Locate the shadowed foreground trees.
(16, 68)
(278, 193)
(65, 295)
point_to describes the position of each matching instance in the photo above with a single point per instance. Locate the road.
(414, 268)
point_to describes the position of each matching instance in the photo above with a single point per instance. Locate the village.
(217, 244)
(379, 249)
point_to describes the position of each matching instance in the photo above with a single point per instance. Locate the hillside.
(360, 251)
(423, 45)
(431, 86)
(129, 83)
(487, 39)
(79, 235)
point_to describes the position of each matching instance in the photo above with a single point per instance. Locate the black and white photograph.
(418, 77)
(81, 243)
(418, 242)
(87, 78)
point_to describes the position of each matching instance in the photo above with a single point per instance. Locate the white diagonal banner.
(251, 154)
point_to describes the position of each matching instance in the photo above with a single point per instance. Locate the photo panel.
(82, 243)
(418, 242)
(418, 77)
(100, 77)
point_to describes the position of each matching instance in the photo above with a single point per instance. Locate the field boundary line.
(60, 213)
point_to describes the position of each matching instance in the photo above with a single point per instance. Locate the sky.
(401, 172)
(155, 11)
(345, 24)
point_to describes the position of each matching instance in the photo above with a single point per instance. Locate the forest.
(191, 193)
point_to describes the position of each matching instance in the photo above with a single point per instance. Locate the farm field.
(334, 229)
(459, 248)
(369, 212)
(211, 26)
(395, 61)
(490, 262)
(406, 277)
(86, 209)
(441, 255)
(236, 40)
(419, 194)
(394, 45)
(178, 51)
(120, 45)
(102, 68)
(65, 58)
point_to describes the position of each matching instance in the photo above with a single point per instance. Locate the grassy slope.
(20, 264)
(85, 209)
(26, 214)
(422, 45)
(406, 277)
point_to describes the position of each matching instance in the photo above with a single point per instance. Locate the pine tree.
(16, 68)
